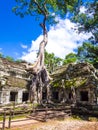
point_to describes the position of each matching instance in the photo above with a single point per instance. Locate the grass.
(14, 117)
(1, 118)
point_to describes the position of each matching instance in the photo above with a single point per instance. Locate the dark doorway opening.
(55, 95)
(13, 96)
(25, 96)
(84, 95)
(70, 96)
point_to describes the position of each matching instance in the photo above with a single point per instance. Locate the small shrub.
(93, 119)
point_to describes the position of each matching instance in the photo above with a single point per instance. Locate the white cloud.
(62, 39)
(30, 57)
(24, 46)
(83, 9)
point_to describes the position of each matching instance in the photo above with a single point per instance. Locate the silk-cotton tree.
(44, 9)
(87, 19)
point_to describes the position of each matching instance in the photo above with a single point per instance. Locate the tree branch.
(43, 12)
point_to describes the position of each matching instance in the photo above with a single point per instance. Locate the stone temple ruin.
(83, 77)
(15, 84)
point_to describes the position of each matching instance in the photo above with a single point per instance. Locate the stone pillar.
(7, 97)
(78, 93)
(19, 96)
(1, 101)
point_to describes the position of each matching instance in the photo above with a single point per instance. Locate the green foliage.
(88, 53)
(93, 119)
(88, 21)
(1, 55)
(9, 58)
(68, 83)
(56, 84)
(51, 61)
(43, 7)
(70, 58)
(76, 82)
(18, 61)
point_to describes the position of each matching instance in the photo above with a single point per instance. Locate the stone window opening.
(84, 95)
(13, 96)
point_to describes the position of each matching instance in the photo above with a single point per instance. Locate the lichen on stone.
(75, 75)
(16, 82)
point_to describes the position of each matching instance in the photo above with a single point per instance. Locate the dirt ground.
(66, 124)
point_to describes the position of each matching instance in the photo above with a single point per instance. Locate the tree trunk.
(41, 77)
(64, 92)
(73, 94)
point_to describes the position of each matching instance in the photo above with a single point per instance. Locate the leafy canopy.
(88, 22)
(88, 53)
(70, 58)
(51, 61)
(48, 8)
(88, 19)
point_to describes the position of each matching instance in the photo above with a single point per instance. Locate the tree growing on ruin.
(45, 10)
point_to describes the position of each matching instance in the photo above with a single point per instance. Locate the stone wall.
(14, 81)
(83, 77)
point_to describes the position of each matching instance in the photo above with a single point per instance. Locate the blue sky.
(20, 37)
(14, 30)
